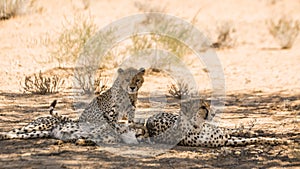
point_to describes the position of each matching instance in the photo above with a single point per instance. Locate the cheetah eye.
(137, 80)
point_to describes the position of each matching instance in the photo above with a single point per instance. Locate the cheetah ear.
(120, 70)
(142, 71)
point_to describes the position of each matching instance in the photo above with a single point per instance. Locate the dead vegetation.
(41, 84)
(284, 30)
(72, 38)
(100, 84)
(179, 90)
(12, 8)
(225, 37)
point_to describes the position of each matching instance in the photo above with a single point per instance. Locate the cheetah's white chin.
(129, 138)
(132, 92)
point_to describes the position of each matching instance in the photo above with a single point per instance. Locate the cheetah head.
(194, 112)
(131, 79)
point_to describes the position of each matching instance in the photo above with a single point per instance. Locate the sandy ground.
(262, 86)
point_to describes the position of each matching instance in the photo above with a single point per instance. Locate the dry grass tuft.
(285, 31)
(12, 8)
(100, 84)
(224, 36)
(180, 90)
(72, 39)
(41, 84)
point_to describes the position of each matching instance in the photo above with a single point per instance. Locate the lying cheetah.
(39, 128)
(192, 128)
(99, 121)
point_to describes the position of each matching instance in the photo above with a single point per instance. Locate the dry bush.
(86, 4)
(224, 36)
(179, 90)
(141, 42)
(158, 41)
(85, 81)
(41, 84)
(72, 39)
(285, 31)
(91, 61)
(12, 8)
(100, 84)
(173, 45)
(161, 42)
(146, 7)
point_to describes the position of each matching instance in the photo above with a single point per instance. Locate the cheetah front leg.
(131, 115)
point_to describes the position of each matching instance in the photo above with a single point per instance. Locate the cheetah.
(99, 122)
(193, 128)
(40, 127)
(118, 102)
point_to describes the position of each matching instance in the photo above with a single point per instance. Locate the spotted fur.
(191, 128)
(99, 121)
(39, 128)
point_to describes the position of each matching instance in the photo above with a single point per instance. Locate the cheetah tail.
(52, 106)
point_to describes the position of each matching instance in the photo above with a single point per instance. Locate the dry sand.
(262, 84)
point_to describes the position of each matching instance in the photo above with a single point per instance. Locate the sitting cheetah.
(99, 121)
(119, 101)
(92, 134)
(192, 128)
